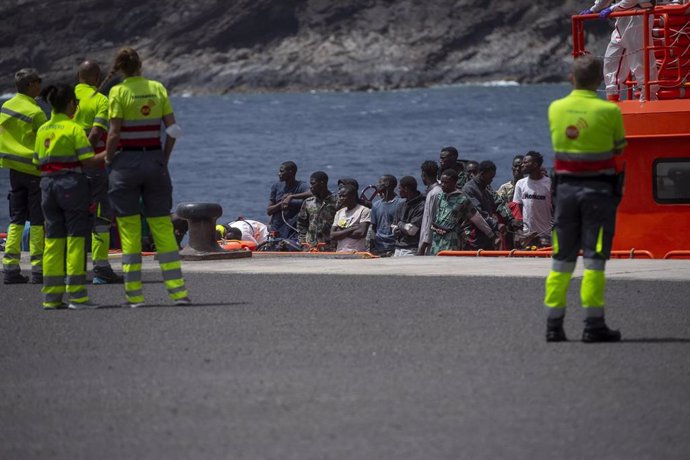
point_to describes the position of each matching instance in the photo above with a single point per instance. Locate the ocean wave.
(492, 84)
(499, 83)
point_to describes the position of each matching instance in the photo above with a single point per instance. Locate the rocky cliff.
(217, 46)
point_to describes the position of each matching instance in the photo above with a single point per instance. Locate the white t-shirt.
(535, 198)
(345, 218)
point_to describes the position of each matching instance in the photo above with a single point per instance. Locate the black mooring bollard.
(202, 231)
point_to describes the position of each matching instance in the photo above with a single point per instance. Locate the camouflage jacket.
(315, 220)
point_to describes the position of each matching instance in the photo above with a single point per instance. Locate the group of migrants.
(56, 142)
(457, 209)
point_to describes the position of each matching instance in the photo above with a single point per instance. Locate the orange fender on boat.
(234, 245)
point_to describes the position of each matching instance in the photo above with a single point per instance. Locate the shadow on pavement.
(194, 305)
(656, 340)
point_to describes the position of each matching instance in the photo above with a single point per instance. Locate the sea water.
(233, 144)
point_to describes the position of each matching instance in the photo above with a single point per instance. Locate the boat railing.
(548, 252)
(666, 38)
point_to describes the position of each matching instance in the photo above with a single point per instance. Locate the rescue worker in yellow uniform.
(20, 118)
(586, 133)
(92, 116)
(62, 153)
(139, 178)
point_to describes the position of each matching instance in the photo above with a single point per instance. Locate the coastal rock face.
(218, 46)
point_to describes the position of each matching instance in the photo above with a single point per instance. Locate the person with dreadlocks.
(139, 177)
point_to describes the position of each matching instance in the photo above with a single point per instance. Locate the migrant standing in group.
(20, 118)
(408, 221)
(507, 190)
(451, 208)
(383, 213)
(429, 172)
(92, 116)
(139, 177)
(62, 153)
(282, 208)
(351, 222)
(586, 133)
(533, 196)
(493, 209)
(449, 158)
(316, 215)
(471, 170)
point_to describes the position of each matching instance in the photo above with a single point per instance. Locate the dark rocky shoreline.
(215, 47)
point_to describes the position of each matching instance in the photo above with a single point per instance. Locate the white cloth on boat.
(252, 230)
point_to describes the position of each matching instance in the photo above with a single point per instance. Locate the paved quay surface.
(640, 269)
(290, 358)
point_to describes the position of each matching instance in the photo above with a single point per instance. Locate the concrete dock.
(303, 358)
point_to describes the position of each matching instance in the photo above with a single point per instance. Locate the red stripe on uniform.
(55, 167)
(155, 127)
(584, 166)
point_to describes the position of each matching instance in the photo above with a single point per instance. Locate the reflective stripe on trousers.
(13, 248)
(100, 243)
(13, 245)
(36, 248)
(592, 288)
(100, 232)
(61, 253)
(168, 256)
(130, 237)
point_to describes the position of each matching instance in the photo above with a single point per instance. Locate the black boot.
(554, 330)
(106, 275)
(596, 330)
(15, 278)
(36, 278)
